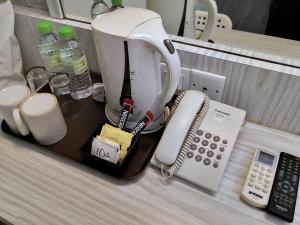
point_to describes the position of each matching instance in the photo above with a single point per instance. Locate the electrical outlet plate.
(209, 83)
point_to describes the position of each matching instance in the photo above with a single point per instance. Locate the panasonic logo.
(255, 194)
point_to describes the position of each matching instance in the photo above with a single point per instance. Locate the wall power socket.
(209, 83)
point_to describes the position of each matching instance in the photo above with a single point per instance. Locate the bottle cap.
(65, 32)
(116, 2)
(44, 27)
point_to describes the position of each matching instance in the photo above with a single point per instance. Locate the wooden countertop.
(39, 187)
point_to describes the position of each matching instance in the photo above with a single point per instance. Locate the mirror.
(239, 23)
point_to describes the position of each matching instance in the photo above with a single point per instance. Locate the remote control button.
(213, 146)
(268, 175)
(222, 149)
(201, 150)
(253, 175)
(196, 139)
(256, 165)
(281, 173)
(261, 173)
(267, 181)
(216, 138)
(206, 162)
(208, 135)
(257, 187)
(193, 147)
(204, 142)
(250, 184)
(262, 168)
(190, 155)
(198, 158)
(219, 157)
(265, 190)
(216, 165)
(295, 178)
(225, 142)
(210, 153)
(200, 132)
(270, 171)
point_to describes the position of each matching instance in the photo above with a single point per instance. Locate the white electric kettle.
(130, 43)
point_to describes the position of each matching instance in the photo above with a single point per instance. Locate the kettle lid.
(121, 22)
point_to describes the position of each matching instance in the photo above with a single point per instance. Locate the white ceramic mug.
(11, 98)
(40, 114)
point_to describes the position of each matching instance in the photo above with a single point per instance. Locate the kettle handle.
(155, 35)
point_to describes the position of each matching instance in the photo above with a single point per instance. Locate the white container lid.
(122, 21)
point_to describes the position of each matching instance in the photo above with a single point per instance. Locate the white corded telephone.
(198, 139)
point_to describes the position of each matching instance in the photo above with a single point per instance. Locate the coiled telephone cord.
(189, 138)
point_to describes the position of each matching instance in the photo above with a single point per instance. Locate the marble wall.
(268, 91)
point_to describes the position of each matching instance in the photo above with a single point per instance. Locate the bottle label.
(52, 62)
(80, 65)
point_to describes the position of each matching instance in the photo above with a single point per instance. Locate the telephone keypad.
(209, 144)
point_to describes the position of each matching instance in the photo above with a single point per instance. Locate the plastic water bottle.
(99, 7)
(49, 48)
(116, 4)
(74, 63)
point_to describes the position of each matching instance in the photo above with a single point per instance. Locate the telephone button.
(213, 146)
(225, 142)
(190, 154)
(222, 149)
(268, 175)
(216, 165)
(262, 168)
(253, 175)
(206, 161)
(196, 139)
(257, 187)
(250, 184)
(208, 135)
(201, 150)
(210, 153)
(200, 132)
(255, 170)
(193, 147)
(216, 138)
(261, 173)
(198, 158)
(256, 165)
(265, 190)
(219, 157)
(204, 142)
(252, 179)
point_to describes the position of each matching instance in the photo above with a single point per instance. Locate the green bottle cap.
(44, 27)
(116, 2)
(65, 32)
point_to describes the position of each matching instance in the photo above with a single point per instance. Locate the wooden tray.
(83, 118)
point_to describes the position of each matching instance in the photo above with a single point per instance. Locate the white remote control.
(258, 185)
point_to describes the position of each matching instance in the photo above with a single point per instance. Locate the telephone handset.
(191, 103)
(198, 139)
